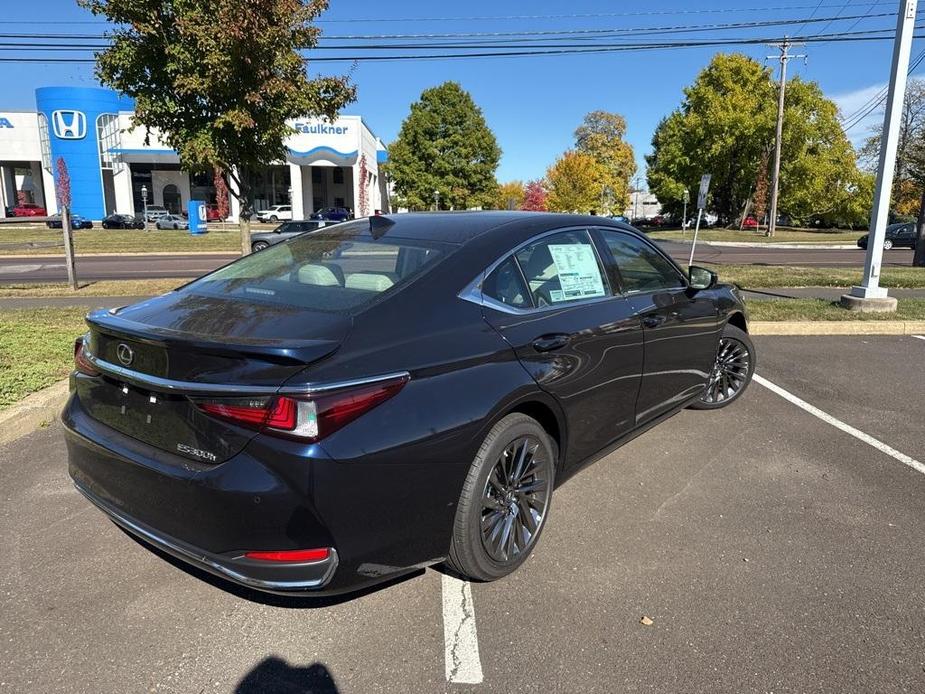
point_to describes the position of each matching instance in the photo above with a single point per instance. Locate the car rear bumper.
(282, 578)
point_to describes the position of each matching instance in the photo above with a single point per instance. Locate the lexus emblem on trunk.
(125, 354)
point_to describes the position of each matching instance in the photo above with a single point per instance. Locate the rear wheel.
(505, 500)
(732, 370)
(274, 219)
(887, 244)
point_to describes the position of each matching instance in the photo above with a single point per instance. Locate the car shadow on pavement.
(305, 601)
(275, 676)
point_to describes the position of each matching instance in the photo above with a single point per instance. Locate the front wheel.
(732, 370)
(887, 245)
(259, 246)
(505, 500)
(274, 219)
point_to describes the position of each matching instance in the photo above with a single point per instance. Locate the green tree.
(574, 183)
(218, 79)
(725, 126)
(601, 137)
(445, 146)
(510, 195)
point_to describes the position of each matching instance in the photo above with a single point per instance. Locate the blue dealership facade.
(115, 167)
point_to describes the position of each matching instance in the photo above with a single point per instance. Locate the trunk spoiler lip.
(295, 352)
(167, 385)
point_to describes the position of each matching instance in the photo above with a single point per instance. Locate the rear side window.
(506, 285)
(642, 268)
(335, 271)
(563, 267)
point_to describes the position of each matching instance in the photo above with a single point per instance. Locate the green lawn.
(789, 276)
(827, 236)
(822, 310)
(148, 287)
(36, 349)
(45, 241)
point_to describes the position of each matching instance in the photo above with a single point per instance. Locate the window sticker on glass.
(579, 273)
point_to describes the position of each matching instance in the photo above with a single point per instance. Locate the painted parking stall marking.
(920, 337)
(460, 638)
(838, 424)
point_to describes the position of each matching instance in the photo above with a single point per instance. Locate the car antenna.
(379, 225)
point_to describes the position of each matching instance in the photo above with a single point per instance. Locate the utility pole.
(785, 55)
(869, 295)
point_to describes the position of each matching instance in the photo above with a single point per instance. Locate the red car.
(212, 214)
(750, 222)
(28, 209)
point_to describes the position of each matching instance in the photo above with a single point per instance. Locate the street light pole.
(436, 201)
(869, 295)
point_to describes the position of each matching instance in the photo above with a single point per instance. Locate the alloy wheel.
(730, 371)
(515, 499)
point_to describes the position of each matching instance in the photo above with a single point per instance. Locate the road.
(101, 267)
(771, 550)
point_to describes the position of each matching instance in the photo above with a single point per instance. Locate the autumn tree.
(511, 195)
(219, 79)
(62, 184)
(445, 150)
(574, 183)
(601, 136)
(535, 196)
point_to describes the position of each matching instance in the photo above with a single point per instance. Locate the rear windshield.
(338, 269)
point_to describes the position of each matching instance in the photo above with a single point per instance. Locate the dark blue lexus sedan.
(388, 393)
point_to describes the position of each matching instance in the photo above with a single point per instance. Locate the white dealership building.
(111, 164)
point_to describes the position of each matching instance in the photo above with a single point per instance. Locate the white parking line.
(838, 424)
(920, 337)
(460, 639)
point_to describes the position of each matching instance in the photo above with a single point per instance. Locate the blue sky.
(534, 104)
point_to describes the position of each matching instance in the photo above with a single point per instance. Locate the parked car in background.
(155, 212)
(620, 218)
(212, 213)
(896, 236)
(286, 230)
(29, 209)
(332, 214)
(77, 222)
(395, 392)
(122, 221)
(750, 222)
(172, 221)
(275, 213)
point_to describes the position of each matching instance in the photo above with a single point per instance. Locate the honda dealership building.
(110, 164)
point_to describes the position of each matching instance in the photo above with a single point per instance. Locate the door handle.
(548, 343)
(653, 321)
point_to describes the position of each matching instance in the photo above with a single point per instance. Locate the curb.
(32, 412)
(848, 327)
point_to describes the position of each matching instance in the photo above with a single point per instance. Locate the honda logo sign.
(69, 125)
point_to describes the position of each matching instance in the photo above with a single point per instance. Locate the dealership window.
(44, 142)
(338, 175)
(107, 135)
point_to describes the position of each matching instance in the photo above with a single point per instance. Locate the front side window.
(562, 267)
(642, 268)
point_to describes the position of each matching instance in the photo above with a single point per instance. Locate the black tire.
(259, 246)
(731, 372)
(485, 509)
(274, 219)
(887, 244)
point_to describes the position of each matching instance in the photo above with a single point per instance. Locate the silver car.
(284, 231)
(172, 221)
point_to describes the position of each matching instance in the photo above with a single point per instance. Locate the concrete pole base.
(886, 304)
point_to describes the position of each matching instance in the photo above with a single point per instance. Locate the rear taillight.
(81, 362)
(309, 417)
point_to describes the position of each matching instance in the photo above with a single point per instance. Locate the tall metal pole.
(889, 139)
(785, 56)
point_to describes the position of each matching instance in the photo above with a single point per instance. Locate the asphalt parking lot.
(771, 550)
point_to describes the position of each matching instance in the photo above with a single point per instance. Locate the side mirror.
(701, 278)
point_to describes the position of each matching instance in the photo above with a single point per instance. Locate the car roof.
(463, 226)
